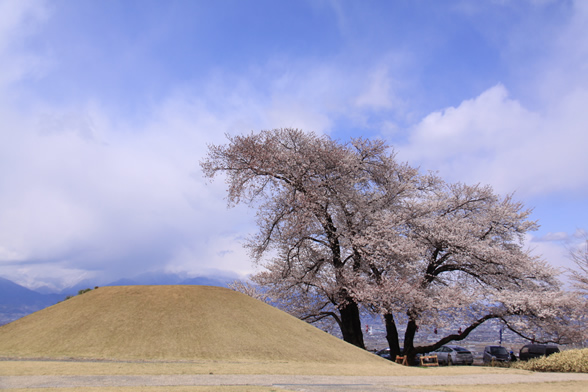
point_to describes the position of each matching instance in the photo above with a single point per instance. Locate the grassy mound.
(569, 361)
(172, 323)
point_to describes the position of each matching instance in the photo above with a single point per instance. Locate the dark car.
(384, 353)
(529, 351)
(453, 355)
(495, 353)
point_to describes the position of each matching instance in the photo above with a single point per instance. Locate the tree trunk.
(409, 350)
(351, 323)
(392, 336)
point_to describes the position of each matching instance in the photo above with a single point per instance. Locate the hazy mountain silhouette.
(17, 301)
(13, 295)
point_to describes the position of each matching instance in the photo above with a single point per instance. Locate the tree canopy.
(344, 226)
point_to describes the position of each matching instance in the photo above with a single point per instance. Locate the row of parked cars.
(456, 355)
(528, 351)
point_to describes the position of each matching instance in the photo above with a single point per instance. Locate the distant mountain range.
(17, 301)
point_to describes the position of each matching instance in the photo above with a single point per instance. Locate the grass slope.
(172, 323)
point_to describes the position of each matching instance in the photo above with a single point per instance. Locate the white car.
(453, 355)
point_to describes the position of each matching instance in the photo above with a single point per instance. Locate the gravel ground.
(293, 383)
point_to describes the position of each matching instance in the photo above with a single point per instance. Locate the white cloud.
(494, 139)
(91, 195)
(85, 191)
(559, 236)
(534, 143)
(87, 196)
(52, 276)
(99, 196)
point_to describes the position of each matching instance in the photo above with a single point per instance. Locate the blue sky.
(108, 106)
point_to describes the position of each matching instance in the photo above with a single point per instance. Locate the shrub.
(80, 292)
(569, 361)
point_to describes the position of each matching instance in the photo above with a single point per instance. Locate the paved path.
(295, 383)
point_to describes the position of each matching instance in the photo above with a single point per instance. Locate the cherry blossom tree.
(579, 276)
(314, 196)
(250, 290)
(459, 255)
(344, 226)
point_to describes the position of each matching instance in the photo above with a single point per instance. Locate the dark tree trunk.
(392, 336)
(351, 323)
(409, 350)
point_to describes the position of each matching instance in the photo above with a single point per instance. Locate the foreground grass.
(569, 361)
(73, 368)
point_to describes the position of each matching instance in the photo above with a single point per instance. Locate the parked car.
(384, 353)
(529, 351)
(495, 353)
(453, 355)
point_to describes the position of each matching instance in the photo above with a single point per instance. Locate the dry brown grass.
(43, 368)
(169, 330)
(173, 323)
(182, 330)
(67, 368)
(71, 368)
(569, 361)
